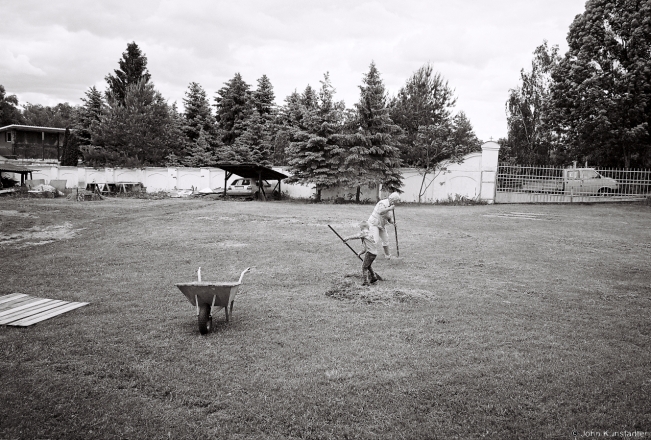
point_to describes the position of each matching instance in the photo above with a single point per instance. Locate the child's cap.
(364, 225)
(394, 196)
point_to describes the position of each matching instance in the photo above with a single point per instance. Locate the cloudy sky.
(53, 51)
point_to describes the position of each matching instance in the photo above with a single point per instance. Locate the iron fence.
(517, 183)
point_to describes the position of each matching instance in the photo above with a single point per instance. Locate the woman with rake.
(383, 214)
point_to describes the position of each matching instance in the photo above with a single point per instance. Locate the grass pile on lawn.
(349, 288)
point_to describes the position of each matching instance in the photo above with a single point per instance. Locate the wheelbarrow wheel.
(205, 320)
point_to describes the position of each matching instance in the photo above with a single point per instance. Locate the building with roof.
(31, 142)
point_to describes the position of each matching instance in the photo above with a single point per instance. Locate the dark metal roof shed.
(252, 171)
(16, 169)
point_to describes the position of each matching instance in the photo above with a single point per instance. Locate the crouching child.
(370, 249)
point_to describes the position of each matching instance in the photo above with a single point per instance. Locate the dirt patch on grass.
(37, 236)
(349, 288)
(14, 213)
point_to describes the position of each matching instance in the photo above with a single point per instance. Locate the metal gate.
(529, 184)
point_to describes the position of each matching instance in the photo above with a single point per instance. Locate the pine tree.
(254, 145)
(70, 153)
(463, 135)
(263, 97)
(89, 113)
(372, 153)
(198, 114)
(425, 100)
(316, 156)
(234, 106)
(200, 153)
(133, 69)
(138, 132)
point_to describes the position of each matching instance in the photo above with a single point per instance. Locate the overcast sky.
(53, 51)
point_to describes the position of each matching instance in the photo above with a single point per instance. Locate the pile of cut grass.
(350, 288)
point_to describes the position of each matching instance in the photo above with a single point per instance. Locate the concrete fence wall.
(473, 178)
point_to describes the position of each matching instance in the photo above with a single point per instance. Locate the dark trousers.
(366, 267)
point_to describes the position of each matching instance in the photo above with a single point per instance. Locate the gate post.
(489, 156)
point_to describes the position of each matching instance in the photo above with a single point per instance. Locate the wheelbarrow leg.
(227, 314)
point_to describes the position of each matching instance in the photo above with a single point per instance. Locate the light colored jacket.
(380, 220)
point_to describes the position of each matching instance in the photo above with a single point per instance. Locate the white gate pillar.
(172, 174)
(204, 178)
(489, 156)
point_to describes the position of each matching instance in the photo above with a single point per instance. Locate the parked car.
(578, 181)
(247, 187)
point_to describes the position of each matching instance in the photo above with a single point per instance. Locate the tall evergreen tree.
(200, 153)
(425, 100)
(463, 134)
(372, 155)
(288, 117)
(234, 105)
(70, 154)
(316, 156)
(255, 143)
(264, 97)
(138, 132)
(602, 86)
(133, 69)
(198, 114)
(89, 113)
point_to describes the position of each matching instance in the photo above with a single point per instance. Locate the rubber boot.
(365, 276)
(387, 252)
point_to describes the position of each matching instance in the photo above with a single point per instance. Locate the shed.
(252, 171)
(16, 169)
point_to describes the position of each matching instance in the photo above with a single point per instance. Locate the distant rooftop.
(32, 128)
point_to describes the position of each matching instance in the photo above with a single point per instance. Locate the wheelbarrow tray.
(211, 296)
(205, 292)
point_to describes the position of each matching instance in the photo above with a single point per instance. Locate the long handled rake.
(354, 252)
(395, 228)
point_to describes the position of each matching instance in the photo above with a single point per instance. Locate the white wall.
(473, 178)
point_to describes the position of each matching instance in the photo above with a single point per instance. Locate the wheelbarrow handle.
(248, 269)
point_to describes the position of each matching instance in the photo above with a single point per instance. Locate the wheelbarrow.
(206, 295)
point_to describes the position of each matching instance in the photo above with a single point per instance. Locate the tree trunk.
(420, 190)
(358, 194)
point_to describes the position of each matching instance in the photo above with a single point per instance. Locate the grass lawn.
(493, 325)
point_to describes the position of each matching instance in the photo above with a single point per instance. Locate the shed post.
(227, 176)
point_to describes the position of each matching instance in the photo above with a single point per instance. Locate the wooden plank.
(18, 302)
(24, 306)
(11, 297)
(20, 314)
(48, 314)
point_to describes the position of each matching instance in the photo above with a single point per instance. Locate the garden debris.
(176, 193)
(82, 195)
(352, 290)
(37, 236)
(43, 188)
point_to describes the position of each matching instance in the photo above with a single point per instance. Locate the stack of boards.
(22, 310)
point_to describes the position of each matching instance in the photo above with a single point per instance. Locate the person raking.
(383, 214)
(370, 249)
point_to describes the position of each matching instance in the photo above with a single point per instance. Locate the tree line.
(323, 142)
(592, 104)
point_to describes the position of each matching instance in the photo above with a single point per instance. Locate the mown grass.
(489, 327)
